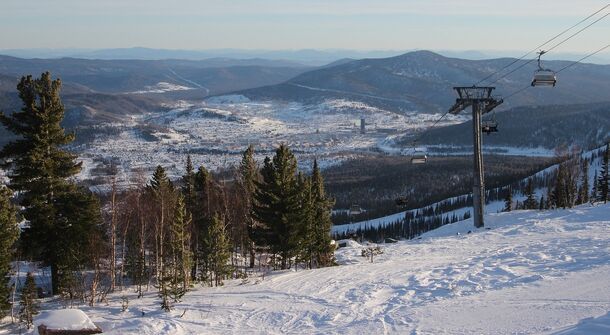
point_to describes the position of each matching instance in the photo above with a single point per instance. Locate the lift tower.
(482, 102)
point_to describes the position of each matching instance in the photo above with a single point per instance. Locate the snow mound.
(65, 319)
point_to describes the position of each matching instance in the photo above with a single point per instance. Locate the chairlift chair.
(401, 201)
(419, 159)
(489, 126)
(542, 76)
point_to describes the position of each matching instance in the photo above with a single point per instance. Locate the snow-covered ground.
(217, 131)
(531, 272)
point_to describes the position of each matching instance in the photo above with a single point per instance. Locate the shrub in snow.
(370, 252)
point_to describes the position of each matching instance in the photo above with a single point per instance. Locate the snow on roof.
(65, 319)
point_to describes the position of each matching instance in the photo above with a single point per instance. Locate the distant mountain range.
(213, 76)
(423, 81)
(313, 57)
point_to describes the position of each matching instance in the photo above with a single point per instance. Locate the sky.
(298, 24)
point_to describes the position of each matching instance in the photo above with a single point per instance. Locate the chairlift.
(419, 159)
(401, 201)
(542, 76)
(489, 126)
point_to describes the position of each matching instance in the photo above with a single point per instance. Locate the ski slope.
(531, 272)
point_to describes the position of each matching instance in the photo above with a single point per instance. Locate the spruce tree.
(249, 176)
(190, 200)
(188, 185)
(179, 260)
(508, 200)
(276, 201)
(530, 201)
(161, 191)
(322, 207)
(560, 191)
(40, 169)
(201, 221)
(9, 232)
(219, 251)
(603, 182)
(307, 250)
(593, 196)
(28, 304)
(583, 194)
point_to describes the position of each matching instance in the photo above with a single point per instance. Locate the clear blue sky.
(297, 24)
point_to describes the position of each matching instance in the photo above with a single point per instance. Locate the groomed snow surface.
(530, 273)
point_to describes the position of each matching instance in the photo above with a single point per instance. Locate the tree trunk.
(54, 280)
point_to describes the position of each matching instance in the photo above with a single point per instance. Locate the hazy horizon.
(292, 25)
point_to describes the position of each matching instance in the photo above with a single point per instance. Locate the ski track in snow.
(531, 272)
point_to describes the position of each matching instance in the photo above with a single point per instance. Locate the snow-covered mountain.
(423, 81)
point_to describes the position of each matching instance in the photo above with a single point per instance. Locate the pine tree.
(603, 182)
(508, 200)
(322, 207)
(276, 200)
(249, 177)
(593, 196)
(219, 251)
(530, 201)
(28, 304)
(188, 185)
(583, 194)
(559, 190)
(190, 200)
(202, 213)
(180, 254)
(307, 250)
(40, 170)
(162, 193)
(9, 232)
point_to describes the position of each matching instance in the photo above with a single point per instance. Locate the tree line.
(564, 187)
(158, 234)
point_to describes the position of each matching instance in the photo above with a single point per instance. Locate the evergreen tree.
(583, 194)
(559, 191)
(178, 262)
(307, 250)
(162, 193)
(40, 170)
(249, 176)
(202, 213)
(28, 304)
(603, 182)
(219, 249)
(530, 201)
(190, 200)
(542, 203)
(593, 196)
(9, 232)
(188, 185)
(508, 201)
(276, 201)
(322, 206)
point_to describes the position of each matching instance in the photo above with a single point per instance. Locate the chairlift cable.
(420, 136)
(551, 48)
(564, 68)
(541, 45)
(585, 57)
